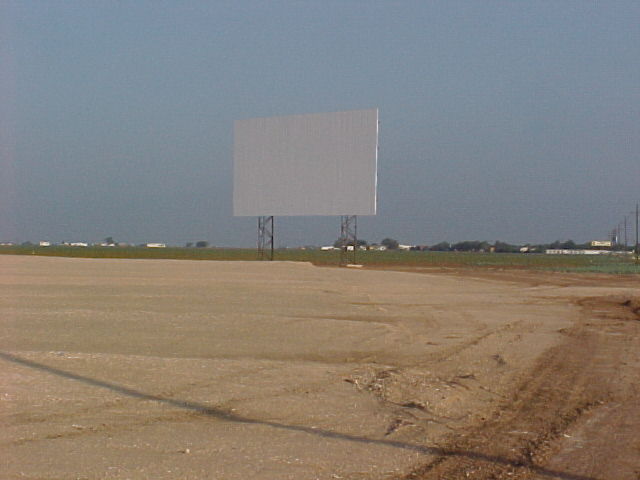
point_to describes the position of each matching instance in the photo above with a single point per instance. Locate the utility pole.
(637, 245)
(625, 233)
(620, 235)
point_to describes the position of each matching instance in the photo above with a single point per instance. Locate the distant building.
(601, 243)
(44, 243)
(563, 251)
(156, 245)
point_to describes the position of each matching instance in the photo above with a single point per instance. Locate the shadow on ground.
(231, 417)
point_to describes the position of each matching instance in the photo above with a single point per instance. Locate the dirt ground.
(165, 369)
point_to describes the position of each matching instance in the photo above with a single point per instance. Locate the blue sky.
(513, 121)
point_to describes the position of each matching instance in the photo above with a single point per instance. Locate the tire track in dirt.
(569, 381)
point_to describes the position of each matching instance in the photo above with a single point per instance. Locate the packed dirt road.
(163, 369)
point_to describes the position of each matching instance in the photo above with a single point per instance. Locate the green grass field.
(573, 263)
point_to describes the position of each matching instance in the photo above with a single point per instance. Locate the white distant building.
(601, 243)
(156, 245)
(562, 251)
(44, 243)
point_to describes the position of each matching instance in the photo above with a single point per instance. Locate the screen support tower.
(265, 238)
(348, 239)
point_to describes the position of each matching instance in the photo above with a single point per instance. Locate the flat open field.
(176, 369)
(623, 264)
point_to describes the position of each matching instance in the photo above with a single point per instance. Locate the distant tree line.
(464, 246)
(503, 247)
(480, 246)
(198, 244)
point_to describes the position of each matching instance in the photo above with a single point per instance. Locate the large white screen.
(314, 164)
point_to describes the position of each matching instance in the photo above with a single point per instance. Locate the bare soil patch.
(116, 369)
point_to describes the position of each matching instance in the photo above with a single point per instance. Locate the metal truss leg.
(265, 238)
(348, 239)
